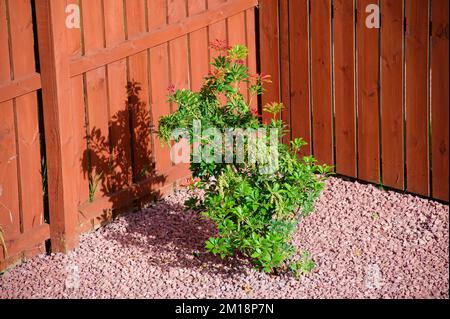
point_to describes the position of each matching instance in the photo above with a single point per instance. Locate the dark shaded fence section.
(373, 102)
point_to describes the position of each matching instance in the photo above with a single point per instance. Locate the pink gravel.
(367, 243)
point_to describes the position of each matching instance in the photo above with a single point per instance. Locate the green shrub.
(256, 213)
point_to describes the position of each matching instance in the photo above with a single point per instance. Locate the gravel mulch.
(367, 243)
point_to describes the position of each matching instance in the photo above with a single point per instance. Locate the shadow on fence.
(164, 232)
(119, 163)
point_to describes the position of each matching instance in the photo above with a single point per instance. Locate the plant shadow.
(171, 237)
(119, 162)
(120, 167)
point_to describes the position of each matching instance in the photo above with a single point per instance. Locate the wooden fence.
(81, 104)
(372, 101)
(22, 213)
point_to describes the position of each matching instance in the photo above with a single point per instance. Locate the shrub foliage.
(256, 213)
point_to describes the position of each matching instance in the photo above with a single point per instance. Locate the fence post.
(58, 123)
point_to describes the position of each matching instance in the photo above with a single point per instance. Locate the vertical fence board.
(237, 35)
(119, 122)
(392, 116)
(216, 31)
(416, 97)
(178, 48)
(344, 73)
(80, 181)
(159, 61)
(9, 188)
(179, 62)
(30, 161)
(269, 51)
(9, 195)
(138, 97)
(368, 97)
(440, 99)
(285, 68)
(251, 44)
(321, 81)
(300, 73)
(22, 45)
(97, 100)
(198, 45)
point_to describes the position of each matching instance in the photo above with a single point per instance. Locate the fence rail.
(373, 102)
